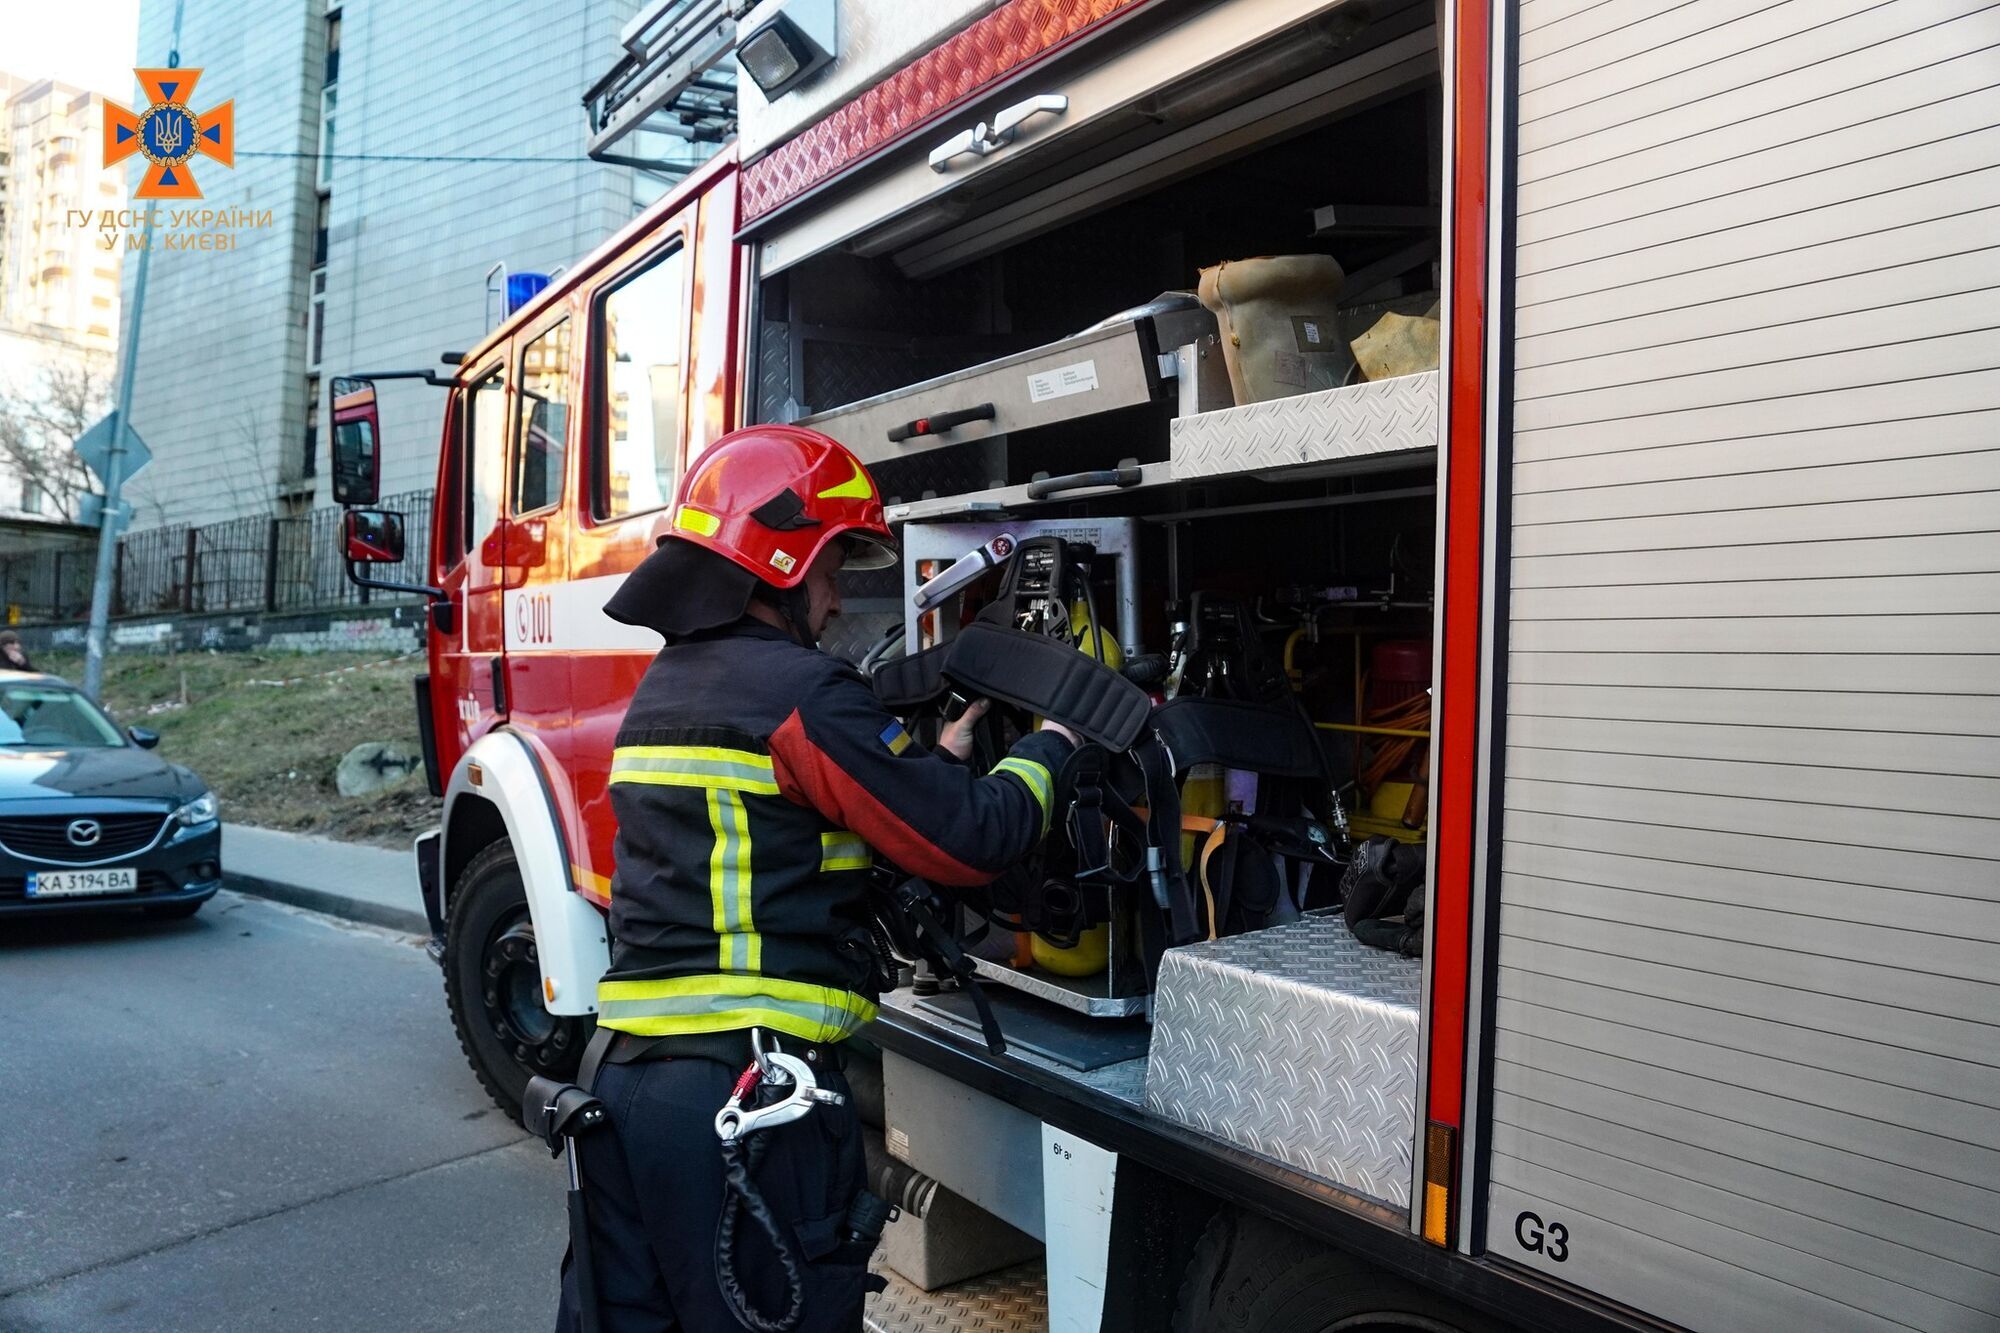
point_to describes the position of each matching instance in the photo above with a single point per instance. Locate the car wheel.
(175, 911)
(1251, 1275)
(493, 983)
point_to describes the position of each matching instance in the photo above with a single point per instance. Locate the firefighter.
(754, 779)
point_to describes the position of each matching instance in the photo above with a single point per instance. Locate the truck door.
(470, 655)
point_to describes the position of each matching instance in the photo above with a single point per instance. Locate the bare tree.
(37, 429)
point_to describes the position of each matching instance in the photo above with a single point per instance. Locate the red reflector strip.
(1018, 32)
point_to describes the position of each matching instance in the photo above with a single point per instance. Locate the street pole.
(114, 480)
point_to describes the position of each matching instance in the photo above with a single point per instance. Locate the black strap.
(1267, 739)
(1031, 671)
(740, 1158)
(1163, 836)
(910, 896)
(594, 1052)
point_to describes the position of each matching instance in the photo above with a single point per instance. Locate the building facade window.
(310, 464)
(333, 48)
(329, 104)
(316, 320)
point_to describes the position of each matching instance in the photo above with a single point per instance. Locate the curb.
(331, 904)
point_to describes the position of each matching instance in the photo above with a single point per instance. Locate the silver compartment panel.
(1298, 1043)
(1393, 416)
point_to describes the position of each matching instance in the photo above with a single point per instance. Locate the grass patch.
(269, 751)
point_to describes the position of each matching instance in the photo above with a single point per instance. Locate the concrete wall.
(387, 630)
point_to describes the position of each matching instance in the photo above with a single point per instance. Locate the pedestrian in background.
(12, 655)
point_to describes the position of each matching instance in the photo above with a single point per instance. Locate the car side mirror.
(372, 536)
(144, 739)
(357, 464)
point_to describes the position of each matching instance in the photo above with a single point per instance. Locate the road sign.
(90, 512)
(94, 447)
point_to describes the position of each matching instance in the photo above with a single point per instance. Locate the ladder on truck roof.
(674, 84)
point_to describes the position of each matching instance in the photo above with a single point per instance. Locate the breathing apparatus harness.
(1117, 799)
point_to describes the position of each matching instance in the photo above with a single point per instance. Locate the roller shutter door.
(1747, 1015)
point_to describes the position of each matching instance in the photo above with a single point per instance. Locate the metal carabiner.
(733, 1122)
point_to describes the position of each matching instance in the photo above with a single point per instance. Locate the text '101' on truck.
(1564, 435)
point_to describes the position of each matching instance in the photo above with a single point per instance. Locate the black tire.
(175, 911)
(1251, 1275)
(493, 983)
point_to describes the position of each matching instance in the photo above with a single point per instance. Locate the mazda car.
(90, 818)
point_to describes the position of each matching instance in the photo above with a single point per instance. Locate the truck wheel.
(1251, 1275)
(493, 983)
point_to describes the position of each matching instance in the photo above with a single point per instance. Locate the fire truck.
(1656, 609)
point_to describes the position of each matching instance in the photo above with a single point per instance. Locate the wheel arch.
(499, 789)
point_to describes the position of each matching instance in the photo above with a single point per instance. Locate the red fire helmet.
(769, 498)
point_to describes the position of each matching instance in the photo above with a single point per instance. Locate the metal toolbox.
(1298, 1043)
(1110, 367)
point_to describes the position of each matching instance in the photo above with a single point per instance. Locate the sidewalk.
(352, 880)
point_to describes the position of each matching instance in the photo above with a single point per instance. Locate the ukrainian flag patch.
(895, 738)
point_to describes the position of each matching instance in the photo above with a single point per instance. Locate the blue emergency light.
(523, 288)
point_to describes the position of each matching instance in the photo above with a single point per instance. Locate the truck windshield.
(54, 716)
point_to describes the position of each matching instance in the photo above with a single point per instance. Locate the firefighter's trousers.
(653, 1186)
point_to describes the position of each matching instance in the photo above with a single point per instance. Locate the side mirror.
(372, 536)
(143, 738)
(357, 467)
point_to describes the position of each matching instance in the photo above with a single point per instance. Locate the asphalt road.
(254, 1119)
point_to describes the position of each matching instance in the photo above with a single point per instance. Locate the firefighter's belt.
(1031, 671)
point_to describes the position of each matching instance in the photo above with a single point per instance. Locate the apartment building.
(401, 150)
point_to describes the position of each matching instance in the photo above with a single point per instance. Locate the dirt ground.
(266, 731)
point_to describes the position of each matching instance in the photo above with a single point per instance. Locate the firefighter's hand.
(956, 738)
(1059, 729)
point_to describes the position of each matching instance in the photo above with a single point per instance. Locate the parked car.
(90, 818)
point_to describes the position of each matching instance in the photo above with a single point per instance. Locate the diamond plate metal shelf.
(1313, 429)
(1298, 1043)
(1014, 1300)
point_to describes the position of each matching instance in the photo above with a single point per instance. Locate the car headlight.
(201, 810)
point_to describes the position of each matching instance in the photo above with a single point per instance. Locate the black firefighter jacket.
(751, 779)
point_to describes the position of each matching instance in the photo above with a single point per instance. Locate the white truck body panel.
(1749, 933)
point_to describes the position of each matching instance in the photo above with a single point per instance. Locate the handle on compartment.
(940, 423)
(1127, 473)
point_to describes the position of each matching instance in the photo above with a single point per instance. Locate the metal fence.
(242, 564)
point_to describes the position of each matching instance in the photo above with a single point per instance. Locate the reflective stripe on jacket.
(754, 780)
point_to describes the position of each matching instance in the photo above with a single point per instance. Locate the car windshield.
(53, 716)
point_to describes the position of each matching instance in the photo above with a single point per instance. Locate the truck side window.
(643, 333)
(545, 393)
(486, 439)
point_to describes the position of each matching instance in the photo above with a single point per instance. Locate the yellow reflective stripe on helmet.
(689, 519)
(695, 766)
(844, 851)
(1036, 778)
(856, 487)
(681, 1005)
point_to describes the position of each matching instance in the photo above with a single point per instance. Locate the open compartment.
(1265, 532)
